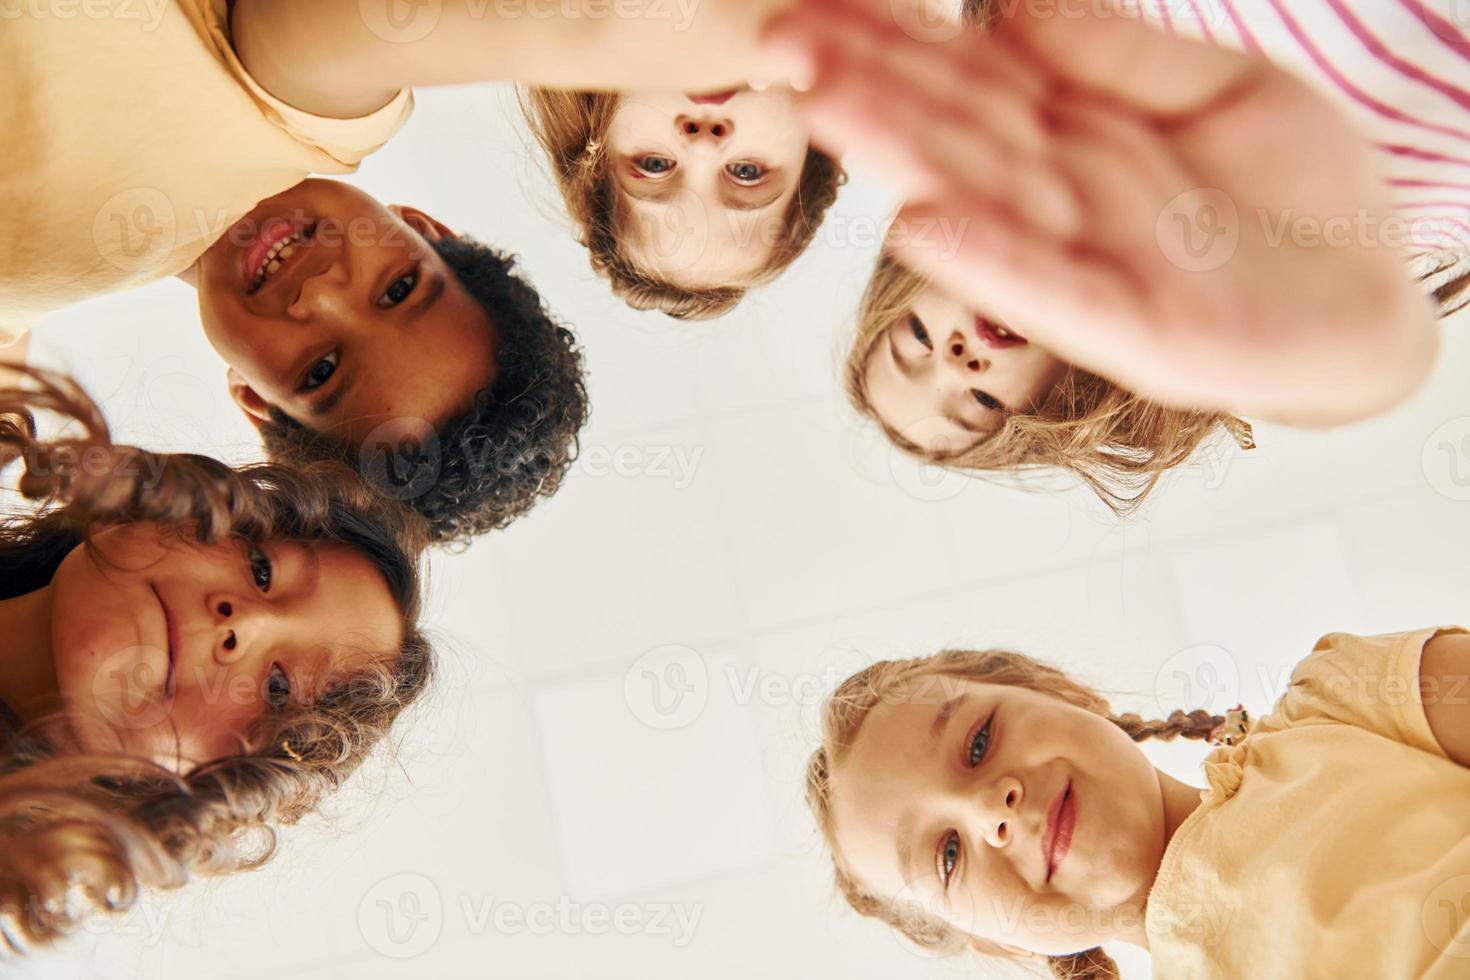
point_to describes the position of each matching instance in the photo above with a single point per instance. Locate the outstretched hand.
(1193, 223)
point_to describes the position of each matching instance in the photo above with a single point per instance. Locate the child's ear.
(257, 409)
(424, 224)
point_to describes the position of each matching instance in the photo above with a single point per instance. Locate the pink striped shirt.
(1401, 68)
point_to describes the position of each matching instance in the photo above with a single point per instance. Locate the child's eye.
(399, 290)
(988, 401)
(916, 326)
(261, 569)
(746, 172)
(979, 744)
(654, 166)
(321, 372)
(947, 857)
(277, 688)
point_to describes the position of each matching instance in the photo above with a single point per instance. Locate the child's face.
(1014, 816)
(361, 321)
(945, 376)
(172, 650)
(703, 182)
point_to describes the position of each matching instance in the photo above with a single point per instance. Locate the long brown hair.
(849, 707)
(1118, 444)
(82, 831)
(571, 128)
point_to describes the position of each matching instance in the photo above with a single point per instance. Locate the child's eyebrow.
(737, 204)
(329, 401)
(432, 292)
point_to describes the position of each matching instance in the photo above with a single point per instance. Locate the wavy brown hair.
(86, 831)
(571, 128)
(1117, 443)
(886, 680)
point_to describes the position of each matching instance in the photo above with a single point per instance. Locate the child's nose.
(698, 128)
(965, 360)
(324, 293)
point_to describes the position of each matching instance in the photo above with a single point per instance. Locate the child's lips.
(171, 631)
(995, 336)
(714, 98)
(255, 257)
(1061, 824)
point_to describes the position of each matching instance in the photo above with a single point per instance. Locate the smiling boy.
(144, 143)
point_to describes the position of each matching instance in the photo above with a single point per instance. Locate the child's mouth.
(714, 98)
(276, 247)
(995, 336)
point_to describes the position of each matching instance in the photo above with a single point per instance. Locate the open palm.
(1195, 224)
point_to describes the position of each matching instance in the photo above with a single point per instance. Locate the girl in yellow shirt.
(982, 802)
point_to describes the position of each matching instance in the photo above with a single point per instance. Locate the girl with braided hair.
(983, 802)
(194, 655)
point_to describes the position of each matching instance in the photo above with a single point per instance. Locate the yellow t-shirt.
(133, 138)
(1333, 841)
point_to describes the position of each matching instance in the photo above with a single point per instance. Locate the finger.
(1049, 290)
(912, 23)
(927, 152)
(1112, 53)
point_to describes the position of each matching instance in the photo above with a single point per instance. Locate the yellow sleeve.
(1370, 682)
(347, 141)
(11, 333)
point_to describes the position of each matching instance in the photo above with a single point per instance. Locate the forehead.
(698, 243)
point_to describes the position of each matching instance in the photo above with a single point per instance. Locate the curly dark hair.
(482, 470)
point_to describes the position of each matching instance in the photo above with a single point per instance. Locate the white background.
(798, 549)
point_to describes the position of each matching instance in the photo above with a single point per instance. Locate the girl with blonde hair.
(1149, 236)
(983, 803)
(195, 656)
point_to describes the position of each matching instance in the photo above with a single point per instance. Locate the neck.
(27, 669)
(1180, 800)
